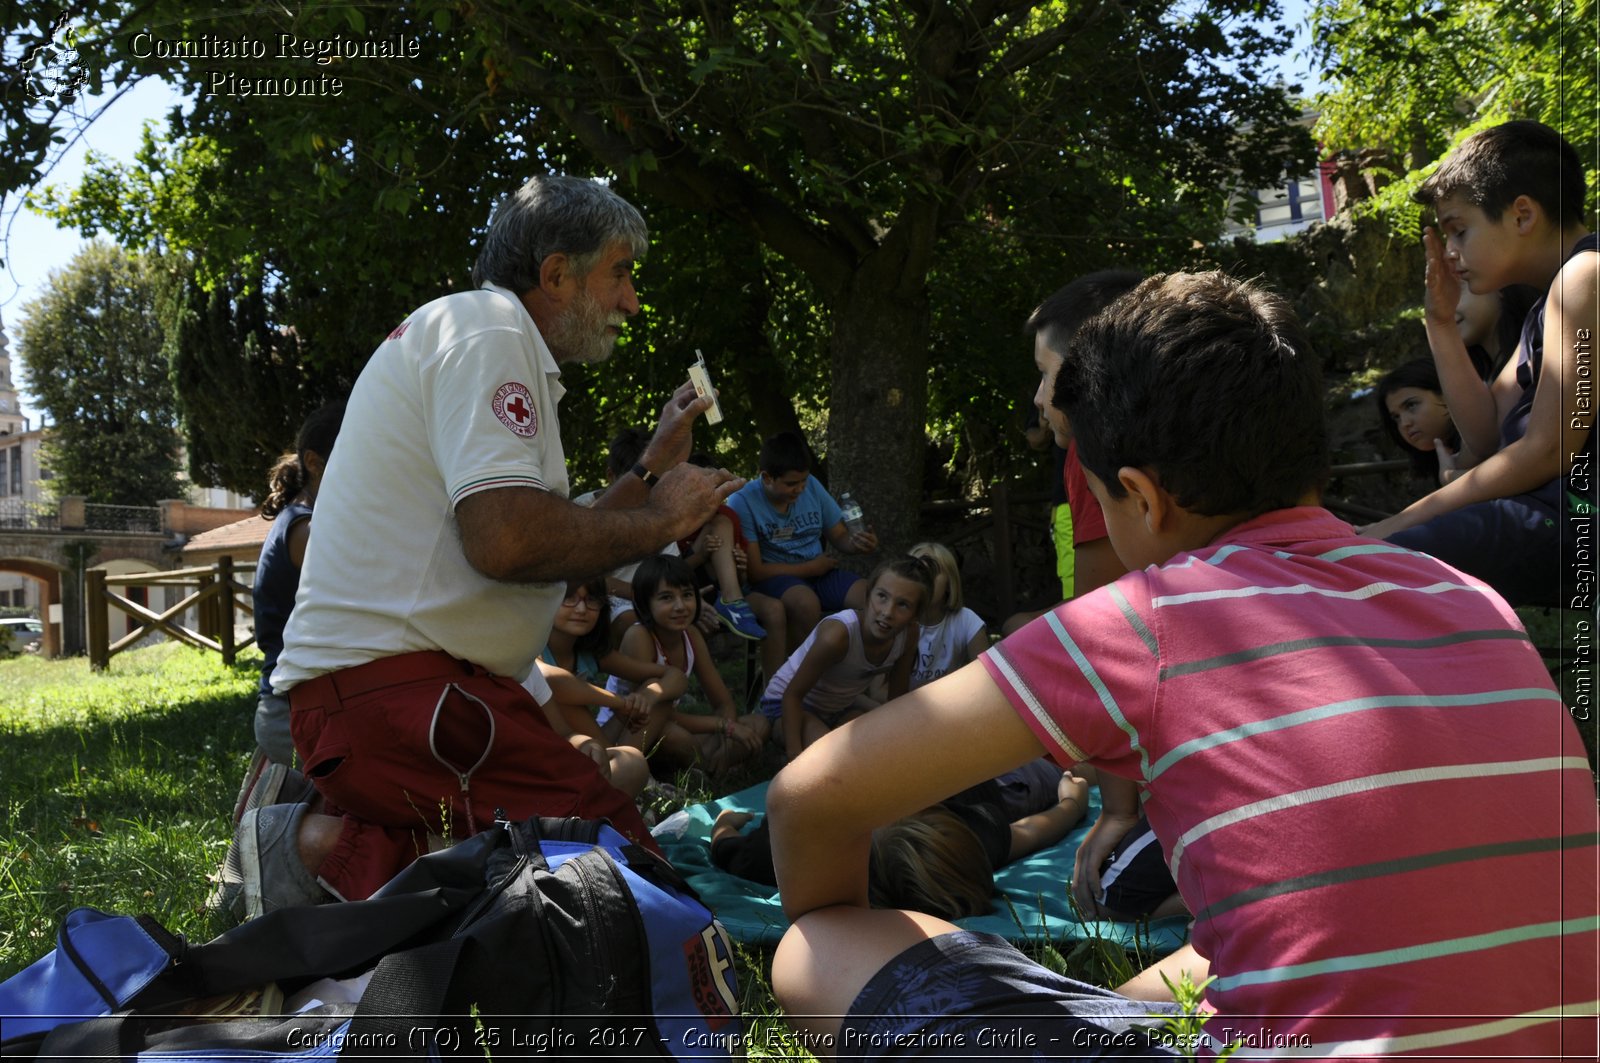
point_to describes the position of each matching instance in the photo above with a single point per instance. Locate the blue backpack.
(552, 937)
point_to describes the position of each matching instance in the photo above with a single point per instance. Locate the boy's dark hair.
(627, 447)
(1417, 373)
(1207, 380)
(1491, 168)
(655, 572)
(783, 454)
(1066, 309)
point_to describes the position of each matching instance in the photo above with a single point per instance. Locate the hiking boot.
(263, 871)
(737, 618)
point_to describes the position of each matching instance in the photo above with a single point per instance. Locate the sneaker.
(738, 618)
(268, 783)
(263, 871)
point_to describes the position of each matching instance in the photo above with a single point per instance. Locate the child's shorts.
(1029, 789)
(1135, 877)
(772, 709)
(1516, 545)
(830, 587)
(973, 996)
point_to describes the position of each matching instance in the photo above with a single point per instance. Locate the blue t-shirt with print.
(786, 538)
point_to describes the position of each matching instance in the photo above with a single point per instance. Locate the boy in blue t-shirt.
(785, 514)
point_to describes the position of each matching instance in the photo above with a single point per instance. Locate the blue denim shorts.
(973, 996)
(830, 587)
(1516, 545)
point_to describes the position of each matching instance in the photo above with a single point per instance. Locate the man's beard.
(582, 334)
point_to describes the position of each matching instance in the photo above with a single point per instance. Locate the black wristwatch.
(650, 479)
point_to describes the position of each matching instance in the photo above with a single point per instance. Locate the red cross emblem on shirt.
(513, 405)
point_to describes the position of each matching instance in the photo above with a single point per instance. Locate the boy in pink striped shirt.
(1366, 787)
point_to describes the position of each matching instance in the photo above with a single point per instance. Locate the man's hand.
(674, 436)
(688, 496)
(1441, 285)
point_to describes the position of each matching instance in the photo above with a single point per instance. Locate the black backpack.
(547, 937)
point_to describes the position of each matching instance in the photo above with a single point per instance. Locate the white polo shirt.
(460, 398)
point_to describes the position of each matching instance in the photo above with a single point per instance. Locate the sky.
(32, 246)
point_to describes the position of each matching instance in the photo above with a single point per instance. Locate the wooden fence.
(216, 598)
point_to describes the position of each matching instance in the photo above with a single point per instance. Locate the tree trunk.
(757, 372)
(880, 398)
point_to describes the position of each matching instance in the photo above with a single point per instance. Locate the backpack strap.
(656, 869)
(407, 990)
(101, 1040)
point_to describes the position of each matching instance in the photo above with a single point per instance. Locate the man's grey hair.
(574, 216)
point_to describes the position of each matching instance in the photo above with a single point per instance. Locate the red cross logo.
(513, 404)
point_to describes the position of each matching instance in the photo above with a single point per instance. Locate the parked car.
(22, 634)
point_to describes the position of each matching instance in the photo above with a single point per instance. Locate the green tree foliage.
(92, 345)
(1409, 77)
(816, 172)
(244, 384)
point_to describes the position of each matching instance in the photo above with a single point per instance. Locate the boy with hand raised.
(1510, 204)
(1368, 791)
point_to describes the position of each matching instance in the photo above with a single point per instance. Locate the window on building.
(4, 465)
(16, 470)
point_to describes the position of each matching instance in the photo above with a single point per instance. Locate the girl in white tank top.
(668, 605)
(818, 687)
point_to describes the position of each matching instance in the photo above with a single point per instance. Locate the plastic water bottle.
(850, 510)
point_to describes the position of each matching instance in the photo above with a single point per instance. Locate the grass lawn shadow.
(116, 788)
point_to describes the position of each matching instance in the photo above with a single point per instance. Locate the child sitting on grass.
(948, 633)
(573, 666)
(1370, 794)
(822, 683)
(787, 516)
(666, 637)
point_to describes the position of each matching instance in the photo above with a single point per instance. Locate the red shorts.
(421, 744)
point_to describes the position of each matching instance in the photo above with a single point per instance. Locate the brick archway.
(48, 574)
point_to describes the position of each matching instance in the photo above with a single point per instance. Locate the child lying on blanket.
(941, 860)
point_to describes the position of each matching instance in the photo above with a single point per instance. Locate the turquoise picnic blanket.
(1035, 905)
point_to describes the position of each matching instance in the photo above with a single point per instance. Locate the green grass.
(116, 788)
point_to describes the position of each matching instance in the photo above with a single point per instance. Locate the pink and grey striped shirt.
(1370, 794)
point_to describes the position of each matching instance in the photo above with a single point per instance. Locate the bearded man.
(444, 539)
